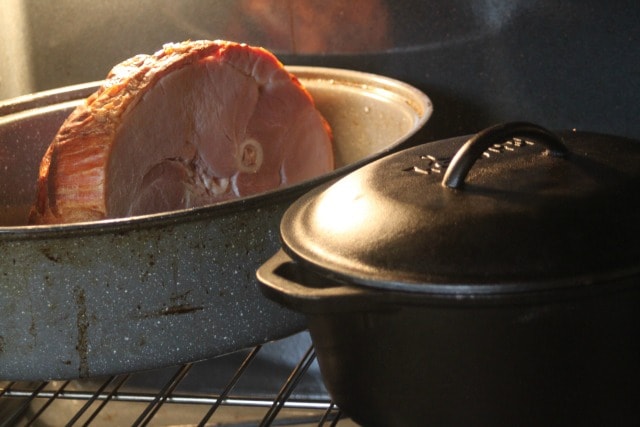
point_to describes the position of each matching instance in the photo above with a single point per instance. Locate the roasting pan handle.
(470, 152)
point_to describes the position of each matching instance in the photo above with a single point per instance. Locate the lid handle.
(470, 152)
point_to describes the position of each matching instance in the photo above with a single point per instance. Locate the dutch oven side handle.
(283, 280)
(468, 154)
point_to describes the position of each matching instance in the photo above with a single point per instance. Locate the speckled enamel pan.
(123, 295)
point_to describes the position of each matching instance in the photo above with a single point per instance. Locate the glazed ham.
(193, 124)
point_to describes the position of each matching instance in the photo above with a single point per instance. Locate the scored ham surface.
(195, 123)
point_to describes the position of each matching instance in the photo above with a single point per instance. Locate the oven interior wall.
(571, 64)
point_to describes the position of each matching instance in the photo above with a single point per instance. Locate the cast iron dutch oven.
(491, 280)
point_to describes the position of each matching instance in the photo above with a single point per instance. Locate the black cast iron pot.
(485, 281)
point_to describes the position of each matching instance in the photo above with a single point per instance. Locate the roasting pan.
(123, 295)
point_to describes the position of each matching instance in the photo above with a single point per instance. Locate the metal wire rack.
(165, 398)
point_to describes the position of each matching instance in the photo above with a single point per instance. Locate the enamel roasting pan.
(124, 295)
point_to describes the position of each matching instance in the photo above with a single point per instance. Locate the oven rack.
(120, 400)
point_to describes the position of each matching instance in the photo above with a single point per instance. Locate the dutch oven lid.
(513, 209)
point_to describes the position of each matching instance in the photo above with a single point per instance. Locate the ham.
(195, 123)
